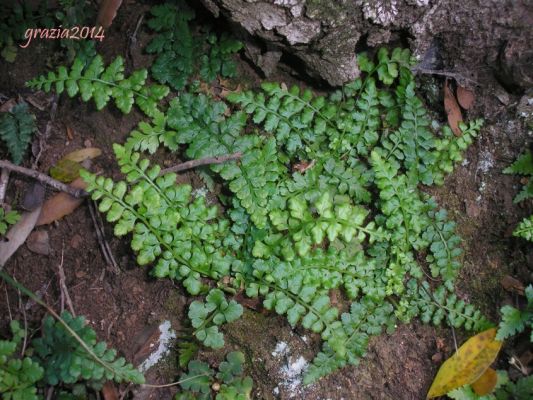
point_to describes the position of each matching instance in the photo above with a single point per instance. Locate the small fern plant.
(18, 375)
(325, 197)
(182, 54)
(201, 382)
(7, 218)
(17, 127)
(523, 166)
(515, 321)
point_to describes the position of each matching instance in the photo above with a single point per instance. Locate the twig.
(46, 135)
(8, 305)
(100, 234)
(78, 193)
(63, 285)
(4, 179)
(202, 161)
(455, 75)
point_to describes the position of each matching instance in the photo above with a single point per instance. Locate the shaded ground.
(123, 306)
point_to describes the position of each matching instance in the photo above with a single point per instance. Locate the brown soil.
(121, 307)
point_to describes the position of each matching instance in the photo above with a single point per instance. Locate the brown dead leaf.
(109, 391)
(303, 166)
(8, 105)
(452, 110)
(485, 383)
(83, 154)
(70, 133)
(465, 97)
(18, 234)
(512, 285)
(107, 12)
(60, 205)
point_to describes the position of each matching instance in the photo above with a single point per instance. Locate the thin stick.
(4, 179)
(78, 193)
(450, 74)
(100, 235)
(8, 305)
(63, 285)
(174, 383)
(202, 161)
(46, 135)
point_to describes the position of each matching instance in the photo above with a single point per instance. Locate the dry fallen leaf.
(513, 285)
(8, 105)
(109, 391)
(83, 154)
(452, 110)
(107, 12)
(465, 97)
(466, 366)
(18, 234)
(70, 133)
(60, 205)
(486, 382)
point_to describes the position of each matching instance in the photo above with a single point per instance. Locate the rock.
(476, 35)
(38, 242)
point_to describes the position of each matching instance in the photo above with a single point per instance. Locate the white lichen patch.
(486, 162)
(381, 12)
(165, 340)
(292, 374)
(200, 192)
(281, 349)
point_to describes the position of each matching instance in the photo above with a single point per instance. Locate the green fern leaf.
(94, 81)
(16, 130)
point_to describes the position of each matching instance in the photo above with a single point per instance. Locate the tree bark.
(470, 37)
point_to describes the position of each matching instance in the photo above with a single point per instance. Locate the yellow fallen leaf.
(83, 154)
(466, 366)
(65, 170)
(486, 382)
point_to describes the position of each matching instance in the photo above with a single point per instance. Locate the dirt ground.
(122, 307)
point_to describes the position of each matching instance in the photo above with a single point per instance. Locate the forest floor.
(126, 306)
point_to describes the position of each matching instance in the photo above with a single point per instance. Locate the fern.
(181, 54)
(18, 376)
(6, 219)
(349, 216)
(94, 81)
(523, 166)
(207, 317)
(16, 130)
(65, 360)
(178, 233)
(200, 123)
(203, 383)
(514, 320)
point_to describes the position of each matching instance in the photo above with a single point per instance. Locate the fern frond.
(164, 221)
(200, 123)
(65, 360)
(94, 81)
(16, 130)
(525, 229)
(299, 120)
(182, 55)
(522, 166)
(206, 317)
(349, 343)
(18, 376)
